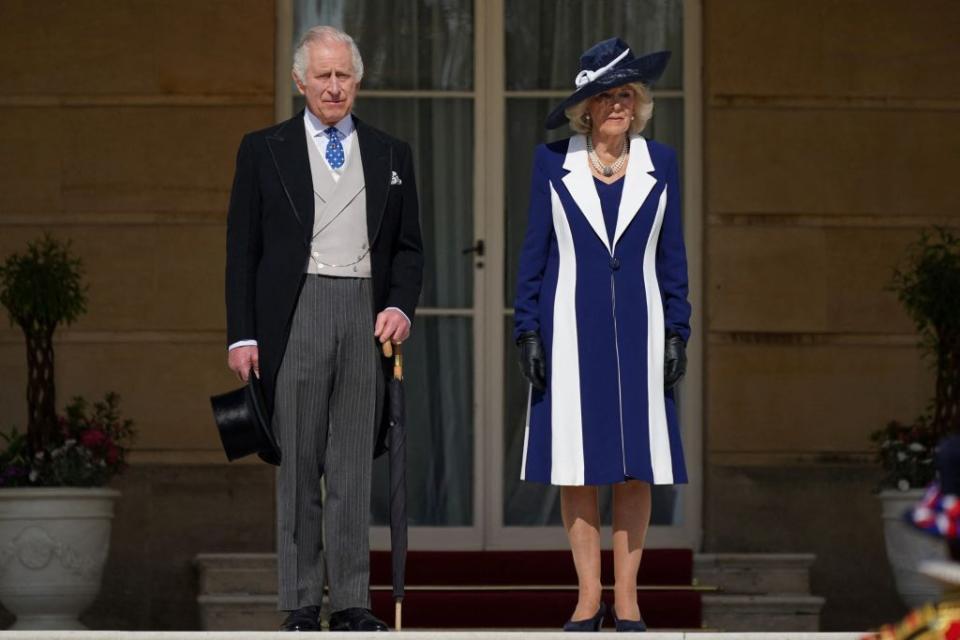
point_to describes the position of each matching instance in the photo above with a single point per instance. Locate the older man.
(324, 259)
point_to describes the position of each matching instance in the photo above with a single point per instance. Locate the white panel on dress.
(566, 460)
(661, 460)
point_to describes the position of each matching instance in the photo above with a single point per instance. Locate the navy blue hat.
(606, 65)
(242, 421)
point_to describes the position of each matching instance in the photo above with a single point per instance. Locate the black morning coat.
(270, 225)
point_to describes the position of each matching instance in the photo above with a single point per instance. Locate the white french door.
(468, 84)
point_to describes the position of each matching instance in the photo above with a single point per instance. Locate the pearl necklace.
(604, 169)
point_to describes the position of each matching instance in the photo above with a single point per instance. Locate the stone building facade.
(830, 132)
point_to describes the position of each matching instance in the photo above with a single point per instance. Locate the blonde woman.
(602, 320)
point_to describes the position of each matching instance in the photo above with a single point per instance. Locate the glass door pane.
(543, 45)
(406, 44)
(546, 37)
(417, 86)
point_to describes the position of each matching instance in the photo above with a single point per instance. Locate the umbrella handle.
(398, 363)
(397, 614)
(394, 351)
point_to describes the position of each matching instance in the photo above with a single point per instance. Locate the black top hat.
(606, 65)
(241, 418)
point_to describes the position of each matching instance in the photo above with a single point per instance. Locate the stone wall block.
(806, 279)
(874, 48)
(810, 394)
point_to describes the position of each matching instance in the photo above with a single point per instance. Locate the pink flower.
(93, 438)
(112, 453)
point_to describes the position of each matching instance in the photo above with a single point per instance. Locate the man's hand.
(391, 325)
(242, 359)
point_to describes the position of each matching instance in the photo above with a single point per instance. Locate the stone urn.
(907, 548)
(53, 545)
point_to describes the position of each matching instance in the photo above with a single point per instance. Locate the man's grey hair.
(316, 35)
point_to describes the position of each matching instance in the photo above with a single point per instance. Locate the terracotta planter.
(53, 545)
(907, 548)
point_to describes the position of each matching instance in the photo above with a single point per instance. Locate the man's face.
(330, 85)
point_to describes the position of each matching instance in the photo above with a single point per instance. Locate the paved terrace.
(408, 635)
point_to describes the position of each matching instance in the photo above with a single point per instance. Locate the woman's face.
(611, 111)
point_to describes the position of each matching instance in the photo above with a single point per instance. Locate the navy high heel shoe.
(590, 624)
(627, 625)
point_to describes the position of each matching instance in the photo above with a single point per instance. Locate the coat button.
(614, 263)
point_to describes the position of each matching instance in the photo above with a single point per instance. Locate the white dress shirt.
(316, 132)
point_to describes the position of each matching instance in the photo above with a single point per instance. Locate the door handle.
(476, 248)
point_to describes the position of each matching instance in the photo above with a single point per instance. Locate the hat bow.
(586, 76)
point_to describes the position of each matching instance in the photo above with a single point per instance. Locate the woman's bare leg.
(581, 519)
(631, 517)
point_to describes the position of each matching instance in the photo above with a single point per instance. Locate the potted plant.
(55, 513)
(928, 286)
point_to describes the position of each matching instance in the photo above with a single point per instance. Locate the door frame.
(489, 96)
(491, 105)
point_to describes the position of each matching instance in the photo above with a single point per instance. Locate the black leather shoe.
(628, 625)
(303, 619)
(590, 624)
(356, 619)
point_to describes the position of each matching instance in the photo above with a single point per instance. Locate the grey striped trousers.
(326, 413)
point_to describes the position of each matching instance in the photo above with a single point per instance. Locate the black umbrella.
(398, 480)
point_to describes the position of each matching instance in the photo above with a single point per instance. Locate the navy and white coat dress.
(602, 310)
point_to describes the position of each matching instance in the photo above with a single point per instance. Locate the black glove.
(533, 362)
(674, 361)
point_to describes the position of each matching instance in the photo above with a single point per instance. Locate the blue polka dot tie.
(334, 148)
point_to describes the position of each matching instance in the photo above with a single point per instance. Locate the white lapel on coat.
(579, 183)
(637, 185)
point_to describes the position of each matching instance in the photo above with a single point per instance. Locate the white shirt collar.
(315, 127)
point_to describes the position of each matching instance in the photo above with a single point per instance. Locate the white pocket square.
(395, 179)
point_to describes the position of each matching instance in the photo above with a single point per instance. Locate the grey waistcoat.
(339, 218)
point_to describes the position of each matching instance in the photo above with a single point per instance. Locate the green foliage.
(14, 459)
(906, 453)
(90, 448)
(43, 287)
(928, 285)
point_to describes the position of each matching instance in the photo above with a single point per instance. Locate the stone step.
(723, 612)
(731, 573)
(755, 573)
(255, 574)
(234, 612)
(465, 609)
(756, 592)
(237, 573)
(792, 612)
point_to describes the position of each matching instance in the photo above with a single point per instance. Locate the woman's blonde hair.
(579, 122)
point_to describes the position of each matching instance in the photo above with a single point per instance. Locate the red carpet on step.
(451, 589)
